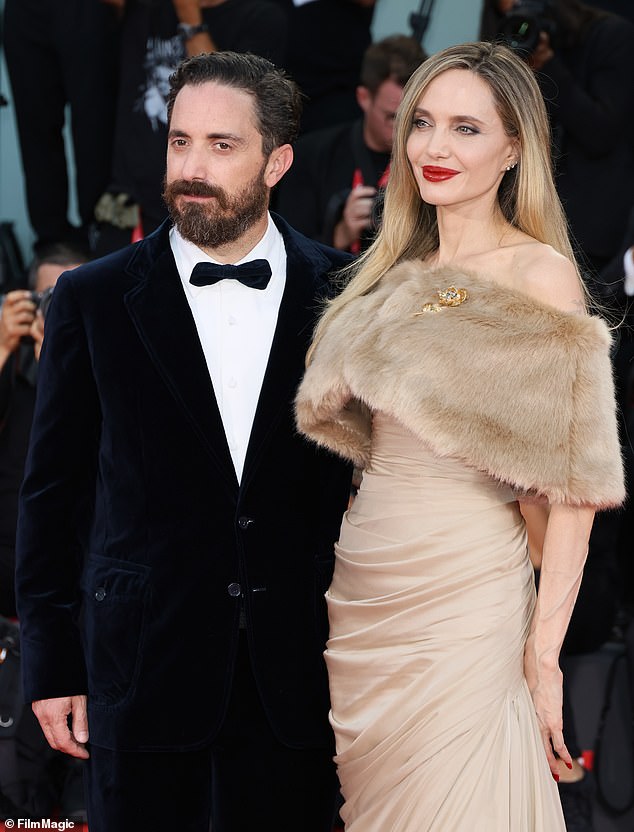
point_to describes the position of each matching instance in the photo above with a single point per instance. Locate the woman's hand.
(565, 547)
(546, 687)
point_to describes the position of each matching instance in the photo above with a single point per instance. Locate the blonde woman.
(459, 368)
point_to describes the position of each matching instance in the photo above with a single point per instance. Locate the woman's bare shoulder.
(539, 271)
(551, 277)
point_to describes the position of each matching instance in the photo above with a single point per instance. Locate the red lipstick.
(435, 174)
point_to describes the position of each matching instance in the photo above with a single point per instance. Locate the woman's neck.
(463, 237)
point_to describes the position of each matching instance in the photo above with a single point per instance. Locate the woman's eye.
(466, 130)
(420, 122)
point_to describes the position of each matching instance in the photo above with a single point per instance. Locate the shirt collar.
(187, 254)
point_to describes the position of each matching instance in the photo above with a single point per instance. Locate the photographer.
(330, 192)
(35, 780)
(582, 57)
(21, 334)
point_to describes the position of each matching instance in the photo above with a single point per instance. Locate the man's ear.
(364, 97)
(278, 163)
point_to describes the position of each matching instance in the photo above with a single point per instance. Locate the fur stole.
(513, 387)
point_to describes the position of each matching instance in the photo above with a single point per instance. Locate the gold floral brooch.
(446, 297)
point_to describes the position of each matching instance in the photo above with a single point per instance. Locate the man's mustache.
(185, 187)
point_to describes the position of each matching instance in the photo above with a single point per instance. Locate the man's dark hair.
(278, 101)
(394, 58)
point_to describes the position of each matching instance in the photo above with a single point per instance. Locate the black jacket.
(135, 540)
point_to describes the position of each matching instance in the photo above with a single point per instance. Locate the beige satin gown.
(429, 610)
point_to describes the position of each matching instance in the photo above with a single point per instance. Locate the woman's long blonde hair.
(527, 195)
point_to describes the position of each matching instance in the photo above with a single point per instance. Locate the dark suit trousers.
(246, 780)
(61, 52)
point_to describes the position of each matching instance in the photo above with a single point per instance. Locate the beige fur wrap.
(513, 387)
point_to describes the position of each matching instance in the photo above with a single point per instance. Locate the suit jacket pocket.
(115, 600)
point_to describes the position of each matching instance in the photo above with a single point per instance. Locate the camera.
(520, 27)
(42, 300)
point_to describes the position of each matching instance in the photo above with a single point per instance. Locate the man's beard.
(223, 219)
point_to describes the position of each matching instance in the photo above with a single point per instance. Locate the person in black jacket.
(35, 781)
(21, 333)
(176, 534)
(583, 63)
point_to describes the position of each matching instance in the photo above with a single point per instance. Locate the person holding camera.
(582, 59)
(17, 396)
(35, 780)
(21, 334)
(330, 193)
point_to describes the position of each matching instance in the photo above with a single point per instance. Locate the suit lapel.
(160, 312)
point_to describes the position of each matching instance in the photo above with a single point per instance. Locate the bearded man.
(175, 533)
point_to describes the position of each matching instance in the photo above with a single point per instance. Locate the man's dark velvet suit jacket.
(134, 536)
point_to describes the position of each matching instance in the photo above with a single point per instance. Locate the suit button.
(235, 590)
(245, 522)
(100, 593)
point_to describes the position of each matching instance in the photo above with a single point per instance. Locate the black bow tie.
(255, 274)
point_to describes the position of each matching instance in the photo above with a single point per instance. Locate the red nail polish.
(556, 778)
(569, 765)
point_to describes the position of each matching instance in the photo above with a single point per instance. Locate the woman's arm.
(564, 555)
(553, 279)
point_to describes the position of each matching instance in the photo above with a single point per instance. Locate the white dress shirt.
(236, 325)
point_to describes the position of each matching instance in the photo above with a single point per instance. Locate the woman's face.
(457, 146)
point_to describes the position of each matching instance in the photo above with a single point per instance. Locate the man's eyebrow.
(182, 134)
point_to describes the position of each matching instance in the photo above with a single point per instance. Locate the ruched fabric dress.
(429, 610)
(456, 395)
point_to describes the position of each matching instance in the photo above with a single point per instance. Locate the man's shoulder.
(134, 260)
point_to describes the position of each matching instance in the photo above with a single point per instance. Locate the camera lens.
(521, 32)
(45, 300)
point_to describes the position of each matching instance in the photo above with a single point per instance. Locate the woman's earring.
(510, 167)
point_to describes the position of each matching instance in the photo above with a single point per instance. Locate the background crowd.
(110, 60)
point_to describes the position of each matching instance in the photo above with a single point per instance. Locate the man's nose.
(194, 165)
